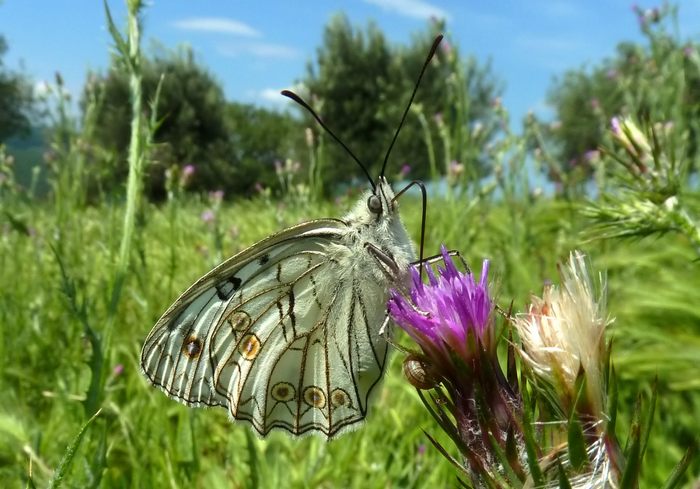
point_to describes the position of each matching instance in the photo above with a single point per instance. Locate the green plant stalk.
(688, 227)
(136, 160)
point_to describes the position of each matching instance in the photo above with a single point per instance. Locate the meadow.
(83, 283)
(143, 439)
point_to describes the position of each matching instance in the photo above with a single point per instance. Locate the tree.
(360, 84)
(16, 100)
(192, 127)
(231, 146)
(260, 139)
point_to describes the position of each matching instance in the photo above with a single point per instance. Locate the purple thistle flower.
(405, 170)
(445, 315)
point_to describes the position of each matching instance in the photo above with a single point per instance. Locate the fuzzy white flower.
(564, 332)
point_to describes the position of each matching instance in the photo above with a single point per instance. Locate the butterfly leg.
(430, 260)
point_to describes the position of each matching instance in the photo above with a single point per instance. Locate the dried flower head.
(563, 333)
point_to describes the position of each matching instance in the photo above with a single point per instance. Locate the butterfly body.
(286, 334)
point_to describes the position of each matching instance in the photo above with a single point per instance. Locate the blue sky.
(257, 48)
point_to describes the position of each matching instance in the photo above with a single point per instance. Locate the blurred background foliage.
(220, 175)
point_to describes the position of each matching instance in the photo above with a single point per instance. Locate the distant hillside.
(28, 152)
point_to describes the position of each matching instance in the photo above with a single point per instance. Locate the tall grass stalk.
(129, 51)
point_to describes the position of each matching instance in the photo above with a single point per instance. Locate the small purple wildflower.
(591, 156)
(208, 216)
(446, 314)
(188, 170)
(405, 170)
(217, 196)
(118, 370)
(187, 175)
(615, 126)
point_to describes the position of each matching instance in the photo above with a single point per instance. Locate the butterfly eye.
(374, 204)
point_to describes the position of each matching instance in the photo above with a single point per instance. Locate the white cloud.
(411, 8)
(42, 88)
(268, 97)
(272, 95)
(259, 49)
(219, 25)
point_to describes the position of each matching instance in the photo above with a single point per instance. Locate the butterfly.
(288, 334)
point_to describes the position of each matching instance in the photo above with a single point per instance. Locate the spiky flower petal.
(443, 314)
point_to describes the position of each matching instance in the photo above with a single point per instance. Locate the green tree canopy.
(16, 100)
(360, 85)
(231, 146)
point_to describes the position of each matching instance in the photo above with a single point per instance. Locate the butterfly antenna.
(300, 101)
(436, 42)
(424, 212)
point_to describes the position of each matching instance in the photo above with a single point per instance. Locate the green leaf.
(120, 43)
(563, 479)
(184, 442)
(576, 444)
(675, 479)
(576, 441)
(649, 420)
(512, 478)
(446, 454)
(253, 460)
(531, 447)
(17, 224)
(630, 476)
(67, 459)
(612, 404)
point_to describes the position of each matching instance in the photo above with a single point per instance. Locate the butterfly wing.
(284, 334)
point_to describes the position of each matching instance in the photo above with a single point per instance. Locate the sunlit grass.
(142, 438)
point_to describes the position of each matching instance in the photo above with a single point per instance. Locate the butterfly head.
(380, 201)
(377, 208)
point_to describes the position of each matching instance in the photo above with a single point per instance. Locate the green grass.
(143, 439)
